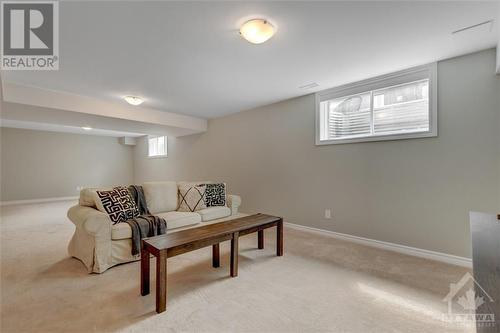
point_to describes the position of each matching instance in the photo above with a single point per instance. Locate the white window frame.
(166, 146)
(428, 71)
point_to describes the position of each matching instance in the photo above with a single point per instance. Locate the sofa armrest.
(233, 202)
(90, 219)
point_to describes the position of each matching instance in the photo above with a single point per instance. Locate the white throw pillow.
(191, 198)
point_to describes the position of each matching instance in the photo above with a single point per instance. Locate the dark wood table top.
(178, 238)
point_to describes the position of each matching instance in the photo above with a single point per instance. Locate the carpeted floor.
(320, 285)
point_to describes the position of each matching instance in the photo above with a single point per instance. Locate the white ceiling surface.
(188, 58)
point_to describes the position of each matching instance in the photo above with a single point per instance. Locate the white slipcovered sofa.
(100, 244)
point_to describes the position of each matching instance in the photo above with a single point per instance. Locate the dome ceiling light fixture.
(257, 31)
(133, 100)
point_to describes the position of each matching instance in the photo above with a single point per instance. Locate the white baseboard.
(35, 201)
(413, 251)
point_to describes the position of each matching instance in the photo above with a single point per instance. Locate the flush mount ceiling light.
(133, 100)
(86, 128)
(257, 31)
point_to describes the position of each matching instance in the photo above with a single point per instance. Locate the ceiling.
(187, 57)
(65, 128)
(35, 108)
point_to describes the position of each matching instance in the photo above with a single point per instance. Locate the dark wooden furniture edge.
(230, 230)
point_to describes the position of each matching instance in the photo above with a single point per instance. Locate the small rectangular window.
(401, 105)
(157, 146)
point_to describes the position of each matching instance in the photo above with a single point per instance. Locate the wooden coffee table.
(169, 245)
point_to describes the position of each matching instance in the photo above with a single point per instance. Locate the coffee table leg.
(215, 255)
(260, 235)
(279, 238)
(161, 282)
(234, 254)
(144, 272)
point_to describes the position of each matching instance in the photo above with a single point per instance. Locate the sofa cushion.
(121, 231)
(212, 213)
(180, 219)
(174, 220)
(160, 196)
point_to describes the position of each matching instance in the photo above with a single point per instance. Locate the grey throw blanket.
(145, 225)
(140, 200)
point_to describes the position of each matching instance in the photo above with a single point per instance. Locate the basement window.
(157, 146)
(400, 105)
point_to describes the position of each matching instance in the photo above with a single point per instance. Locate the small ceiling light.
(257, 31)
(86, 128)
(133, 100)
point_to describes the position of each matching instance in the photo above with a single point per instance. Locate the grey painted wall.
(39, 164)
(413, 192)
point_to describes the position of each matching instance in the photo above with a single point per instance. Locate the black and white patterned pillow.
(215, 195)
(117, 203)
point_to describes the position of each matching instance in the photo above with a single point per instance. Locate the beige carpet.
(320, 285)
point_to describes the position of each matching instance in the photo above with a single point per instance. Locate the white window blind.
(401, 109)
(349, 116)
(157, 146)
(394, 107)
